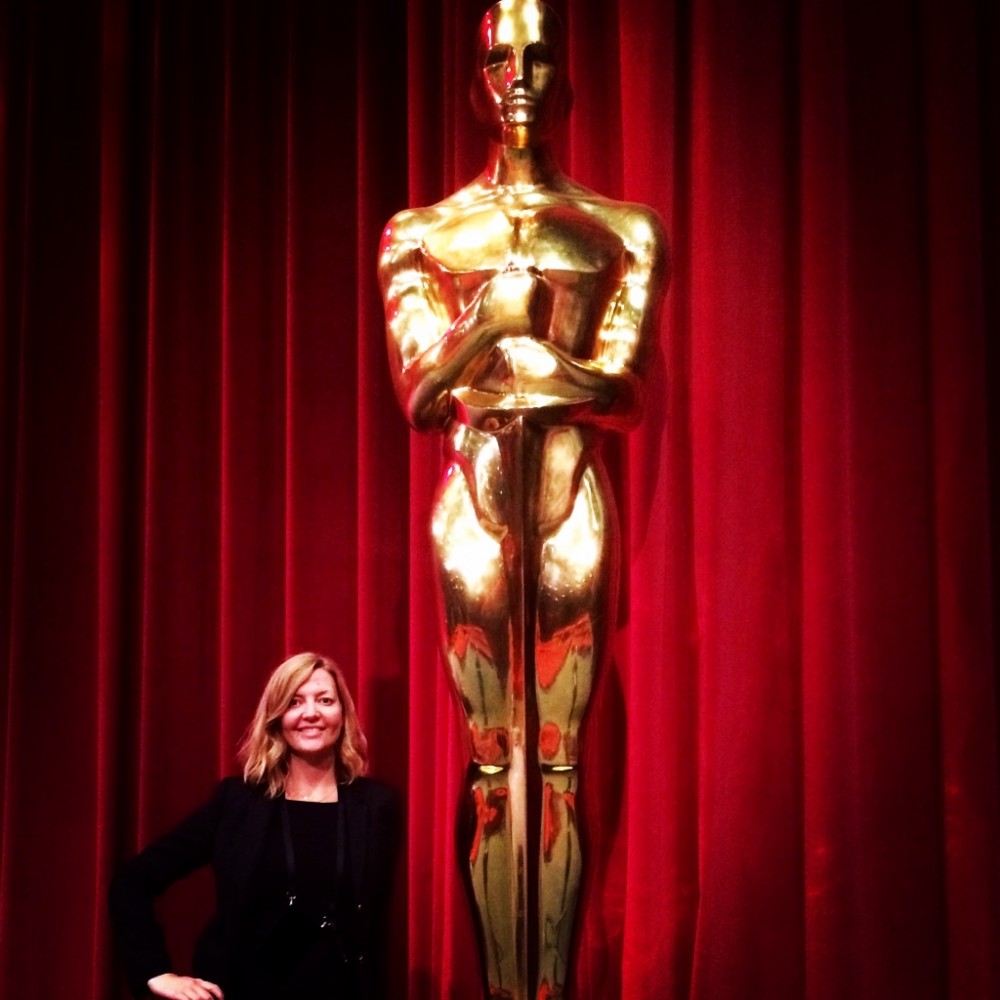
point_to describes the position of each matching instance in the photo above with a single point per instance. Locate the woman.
(302, 848)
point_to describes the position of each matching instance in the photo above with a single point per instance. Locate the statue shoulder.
(639, 226)
(408, 226)
(412, 224)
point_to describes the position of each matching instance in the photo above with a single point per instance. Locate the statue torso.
(558, 236)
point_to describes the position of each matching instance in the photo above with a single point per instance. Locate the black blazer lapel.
(356, 823)
(250, 833)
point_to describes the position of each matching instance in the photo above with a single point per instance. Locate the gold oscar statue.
(520, 312)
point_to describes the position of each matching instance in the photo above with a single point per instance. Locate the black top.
(257, 946)
(295, 941)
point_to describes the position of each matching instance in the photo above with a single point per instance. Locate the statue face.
(520, 88)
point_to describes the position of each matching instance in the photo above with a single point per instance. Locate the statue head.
(520, 87)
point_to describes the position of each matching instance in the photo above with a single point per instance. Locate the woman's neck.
(310, 781)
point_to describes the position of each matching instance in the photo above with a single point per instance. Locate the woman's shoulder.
(236, 790)
(372, 791)
(236, 784)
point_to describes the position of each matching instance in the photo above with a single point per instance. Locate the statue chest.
(581, 260)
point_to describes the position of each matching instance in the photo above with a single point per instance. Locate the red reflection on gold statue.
(520, 312)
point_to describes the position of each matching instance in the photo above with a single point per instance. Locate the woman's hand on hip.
(183, 988)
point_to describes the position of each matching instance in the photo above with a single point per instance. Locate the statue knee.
(557, 748)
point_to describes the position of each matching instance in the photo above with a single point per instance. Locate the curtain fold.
(791, 769)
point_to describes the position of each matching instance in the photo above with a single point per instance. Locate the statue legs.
(575, 593)
(524, 546)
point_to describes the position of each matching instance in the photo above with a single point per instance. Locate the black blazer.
(228, 832)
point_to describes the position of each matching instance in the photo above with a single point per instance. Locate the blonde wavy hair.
(264, 751)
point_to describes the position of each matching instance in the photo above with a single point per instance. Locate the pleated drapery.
(791, 780)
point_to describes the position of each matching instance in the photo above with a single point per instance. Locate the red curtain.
(792, 783)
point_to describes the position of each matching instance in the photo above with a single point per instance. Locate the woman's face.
(313, 720)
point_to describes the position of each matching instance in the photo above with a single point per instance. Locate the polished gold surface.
(519, 312)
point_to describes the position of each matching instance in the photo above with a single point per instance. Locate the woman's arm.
(138, 882)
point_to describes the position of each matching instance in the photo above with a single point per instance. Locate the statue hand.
(516, 303)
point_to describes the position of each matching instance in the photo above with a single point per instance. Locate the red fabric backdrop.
(791, 785)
